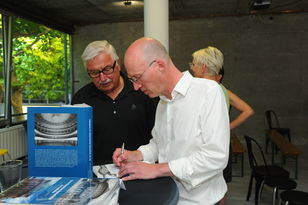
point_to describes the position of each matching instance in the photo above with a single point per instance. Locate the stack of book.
(60, 161)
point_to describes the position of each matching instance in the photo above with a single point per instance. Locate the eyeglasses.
(136, 79)
(107, 71)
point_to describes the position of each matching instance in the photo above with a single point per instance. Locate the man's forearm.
(163, 170)
(137, 156)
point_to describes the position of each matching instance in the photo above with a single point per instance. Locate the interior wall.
(266, 61)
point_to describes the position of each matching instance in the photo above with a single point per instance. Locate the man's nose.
(102, 76)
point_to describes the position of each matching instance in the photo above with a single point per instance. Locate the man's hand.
(127, 156)
(142, 170)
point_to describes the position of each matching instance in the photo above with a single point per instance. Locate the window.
(39, 73)
(2, 74)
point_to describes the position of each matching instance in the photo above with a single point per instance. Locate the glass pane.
(2, 86)
(38, 67)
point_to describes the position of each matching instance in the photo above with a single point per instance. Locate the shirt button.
(114, 112)
(114, 102)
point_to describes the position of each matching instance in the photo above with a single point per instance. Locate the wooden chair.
(287, 149)
(238, 150)
(273, 123)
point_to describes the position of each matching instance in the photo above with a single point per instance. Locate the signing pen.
(122, 148)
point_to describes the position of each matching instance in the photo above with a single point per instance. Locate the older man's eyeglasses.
(107, 71)
(136, 79)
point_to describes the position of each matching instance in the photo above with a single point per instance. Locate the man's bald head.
(145, 49)
(149, 66)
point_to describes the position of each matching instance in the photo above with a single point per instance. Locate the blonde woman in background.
(208, 63)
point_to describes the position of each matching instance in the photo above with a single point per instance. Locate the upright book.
(60, 141)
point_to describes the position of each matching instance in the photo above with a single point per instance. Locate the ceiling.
(65, 15)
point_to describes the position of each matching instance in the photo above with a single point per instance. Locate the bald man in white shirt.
(191, 133)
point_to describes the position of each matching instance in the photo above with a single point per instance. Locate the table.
(287, 149)
(160, 191)
(237, 150)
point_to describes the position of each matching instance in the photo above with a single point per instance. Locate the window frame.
(7, 119)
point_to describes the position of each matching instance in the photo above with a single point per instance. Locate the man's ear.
(161, 65)
(119, 65)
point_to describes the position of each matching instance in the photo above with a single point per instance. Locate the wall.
(266, 61)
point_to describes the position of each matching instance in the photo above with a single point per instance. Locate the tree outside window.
(38, 66)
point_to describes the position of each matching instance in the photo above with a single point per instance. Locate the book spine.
(90, 133)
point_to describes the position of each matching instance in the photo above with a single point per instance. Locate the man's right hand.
(126, 156)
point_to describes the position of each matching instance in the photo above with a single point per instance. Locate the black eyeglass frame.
(106, 70)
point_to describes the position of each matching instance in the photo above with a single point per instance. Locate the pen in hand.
(122, 152)
(122, 148)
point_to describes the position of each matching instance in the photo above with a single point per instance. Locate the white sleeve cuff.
(149, 153)
(182, 173)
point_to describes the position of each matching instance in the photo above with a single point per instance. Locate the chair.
(294, 197)
(278, 183)
(273, 123)
(271, 175)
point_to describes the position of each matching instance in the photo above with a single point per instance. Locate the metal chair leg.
(274, 195)
(260, 192)
(257, 189)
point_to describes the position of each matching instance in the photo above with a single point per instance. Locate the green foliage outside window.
(37, 61)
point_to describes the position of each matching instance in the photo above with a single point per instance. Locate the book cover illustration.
(62, 191)
(60, 141)
(55, 129)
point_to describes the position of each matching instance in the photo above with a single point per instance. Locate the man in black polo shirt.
(120, 114)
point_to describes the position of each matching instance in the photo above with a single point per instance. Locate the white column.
(156, 20)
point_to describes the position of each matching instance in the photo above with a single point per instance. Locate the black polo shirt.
(129, 119)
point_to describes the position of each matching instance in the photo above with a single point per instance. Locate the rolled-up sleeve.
(149, 151)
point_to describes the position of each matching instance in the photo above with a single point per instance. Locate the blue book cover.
(60, 141)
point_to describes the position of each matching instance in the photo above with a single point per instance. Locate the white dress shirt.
(191, 133)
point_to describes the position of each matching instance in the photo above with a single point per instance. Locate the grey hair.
(97, 47)
(211, 57)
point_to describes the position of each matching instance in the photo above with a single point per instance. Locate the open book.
(108, 171)
(63, 191)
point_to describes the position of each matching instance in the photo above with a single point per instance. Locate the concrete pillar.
(156, 20)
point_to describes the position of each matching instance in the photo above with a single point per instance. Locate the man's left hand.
(142, 170)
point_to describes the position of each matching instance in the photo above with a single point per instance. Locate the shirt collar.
(180, 88)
